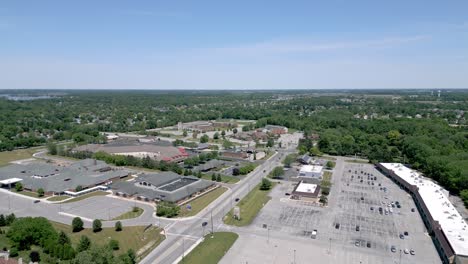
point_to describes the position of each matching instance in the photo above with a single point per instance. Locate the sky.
(233, 44)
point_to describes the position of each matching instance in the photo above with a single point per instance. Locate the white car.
(406, 251)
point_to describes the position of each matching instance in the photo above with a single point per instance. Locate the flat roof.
(11, 180)
(306, 187)
(441, 209)
(311, 168)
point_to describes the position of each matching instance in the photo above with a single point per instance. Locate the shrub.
(77, 224)
(114, 244)
(40, 192)
(118, 226)
(167, 209)
(13, 252)
(266, 184)
(97, 225)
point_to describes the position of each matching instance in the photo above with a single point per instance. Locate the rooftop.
(311, 168)
(306, 187)
(441, 209)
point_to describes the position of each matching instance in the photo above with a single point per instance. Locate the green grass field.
(249, 207)
(211, 250)
(31, 194)
(86, 196)
(19, 154)
(357, 161)
(131, 237)
(224, 178)
(58, 198)
(201, 202)
(130, 214)
(327, 176)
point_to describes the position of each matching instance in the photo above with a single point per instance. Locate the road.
(181, 235)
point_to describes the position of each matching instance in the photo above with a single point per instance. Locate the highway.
(182, 234)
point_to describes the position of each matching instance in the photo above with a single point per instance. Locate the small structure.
(276, 130)
(305, 159)
(311, 171)
(235, 154)
(304, 191)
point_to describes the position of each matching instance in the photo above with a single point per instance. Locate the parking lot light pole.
(294, 257)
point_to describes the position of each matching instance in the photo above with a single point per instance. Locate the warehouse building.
(164, 186)
(56, 179)
(448, 229)
(305, 191)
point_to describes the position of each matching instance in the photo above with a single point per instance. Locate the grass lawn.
(201, 202)
(357, 161)
(211, 250)
(224, 178)
(249, 206)
(131, 237)
(79, 198)
(130, 214)
(327, 176)
(58, 198)
(19, 154)
(30, 194)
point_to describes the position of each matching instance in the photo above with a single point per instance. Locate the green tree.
(2, 220)
(77, 224)
(63, 238)
(78, 188)
(266, 184)
(28, 231)
(34, 256)
(330, 164)
(84, 244)
(18, 187)
(114, 244)
(204, 138)
(213, 177)
(52, 148)
(218, 178)
(277, 172)
(167, 209)
(10, 219)
(184, 133)
(216, 135)
(234, 131)
(13, 252)
(118, 226)
(464, 197)
(270, 143)
(97, 225)
(223, 134)
(40, 192)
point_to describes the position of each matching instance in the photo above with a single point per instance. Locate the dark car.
(357, 228)
(402, 236)
(398, 206)
(368, 244)
(287, 194)
(412, 210)
(37, 201)
(406, 233)
(393, 249)
(337, 226)
(372, 208)
(237, 199)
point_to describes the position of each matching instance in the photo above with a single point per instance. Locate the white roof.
(306, 187)
(441, 209)
(11, 180)
(311, 168)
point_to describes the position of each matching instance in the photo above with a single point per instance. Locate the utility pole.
(329, 248)
(400, 256)
(268, 241)
(183, 249)
(294, 257)
(212, 223)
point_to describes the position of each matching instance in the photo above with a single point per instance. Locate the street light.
(294, 257)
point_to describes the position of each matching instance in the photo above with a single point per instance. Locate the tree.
(40, 192)
(216, 135)
(464, 197)
(114, 244)
(77, 224)
(34, 256)
(235, 172)
(13, 252)
(118, 226)
(2, 220)
(289, 159)
(167, 209)
(270, 143)
(204, 139)
(234, 131)
(63, 238)
(78, 188)
(218, 178)
(277, 172)
(10, 219)
(97, 225)
(213, 177)
(52, 148)
(227, 144)
(184, 133)
(18, 187)
(27, 231)
(84, 244)
(223, 134)
(266, 184)
(330, 164)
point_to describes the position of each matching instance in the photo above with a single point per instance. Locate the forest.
(415, 127)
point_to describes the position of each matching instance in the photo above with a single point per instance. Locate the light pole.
(329, 247)
(400, 256)
(212, 223)
(268, 240)
(183, 249)
(294, 257)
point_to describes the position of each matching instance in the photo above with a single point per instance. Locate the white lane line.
(72, 215)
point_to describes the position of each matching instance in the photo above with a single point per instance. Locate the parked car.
(406, 233)
(337, 225)
(393, 249)
(287, 194)
(37, 201)
(368, 244)
(402, 236)
(412, 210)
(357, 243)
(314, 234)
(406, 251)
(357, 228)
(412, 252)
(237, 199)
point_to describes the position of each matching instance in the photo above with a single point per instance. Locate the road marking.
(72, 215)
(185, 236)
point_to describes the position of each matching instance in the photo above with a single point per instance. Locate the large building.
(139, 150)
(164, 186)
(448, 229)
(56, 179)
(305, 191)
(311, 171)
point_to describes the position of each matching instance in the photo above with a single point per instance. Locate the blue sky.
(233, 44)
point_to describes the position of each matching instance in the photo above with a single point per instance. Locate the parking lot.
(348, 222)
(98, 207)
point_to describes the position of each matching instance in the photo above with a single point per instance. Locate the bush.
(2, 220)
(84, 244)
(167, 209)
(464, 197)
(18, 187)
(27, 231)
(40, 192)
(118, 226)
(266, 184)
(277, 172)
(77, 224)
(10, 219)
(13, 252)
(34, 256)
(330, 164)
(78, 188)
(114, 244)
(235, 172)
(97, 225)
